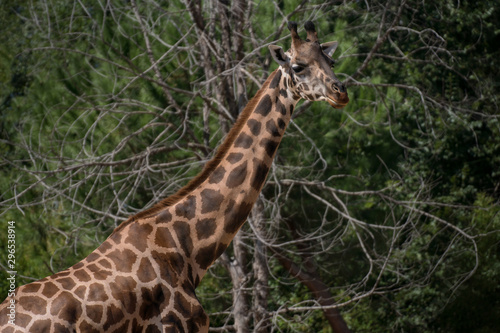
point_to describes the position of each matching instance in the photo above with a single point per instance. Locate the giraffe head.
(309, 67)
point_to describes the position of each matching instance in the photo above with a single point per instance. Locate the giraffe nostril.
(338, 87)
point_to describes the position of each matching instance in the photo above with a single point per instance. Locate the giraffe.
(143, 277)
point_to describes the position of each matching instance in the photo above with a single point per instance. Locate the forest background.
(383, 216)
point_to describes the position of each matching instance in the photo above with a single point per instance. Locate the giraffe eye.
(298, 68)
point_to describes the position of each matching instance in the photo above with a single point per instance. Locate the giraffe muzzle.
(339, 98)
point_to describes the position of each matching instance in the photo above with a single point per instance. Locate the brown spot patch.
(284, 93)
(33, 304)
(281, 123)
(182, 305)
(210, 200)
(243, 141)
(186, 208)
(174, 323)
(49, 289)
(116, 237)
(123, 260)
(197, 281)
(166, 270)
(234, 157)
(92, 257)
(164, 217)
(280, 108)
(122, 289)
(113, 315)
(146, 271)
(205, 228)
(105, 263)
(176, 262)
(183, 232)
(152, 328)
(78, 265)
(67, 283)
(171, 262)
(220, 249)
(235, 215)
(94, 312)
(197, 321)
(32, 287)
(97, 293)
(260, 174)
(272, 129)
(80, 292)
(164, 238)
(237, 176)
(276, 80)
(254, 126)
(104, 247)
(82, 275)
(206, 256)
(87, 328)
(151, 302)
(22, 320)
(270, 146)
(42, 325)
(264, 106)
(66, 307)
(138, 235)
(217, 175)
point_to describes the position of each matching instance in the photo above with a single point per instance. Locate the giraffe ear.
(278, 55)
(329, 48)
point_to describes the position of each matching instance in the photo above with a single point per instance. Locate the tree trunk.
(237, 270)
(260, 273)
(320, 292)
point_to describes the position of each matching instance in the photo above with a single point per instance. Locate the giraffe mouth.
(335, 104)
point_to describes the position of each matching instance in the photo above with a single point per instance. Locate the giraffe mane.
(210, 165)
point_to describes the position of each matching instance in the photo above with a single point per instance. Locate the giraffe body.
(143, 277)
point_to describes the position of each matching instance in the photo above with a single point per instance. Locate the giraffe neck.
(222, 202)
(213, 211)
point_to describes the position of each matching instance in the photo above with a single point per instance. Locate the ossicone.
(312, 35)
(296, 41)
